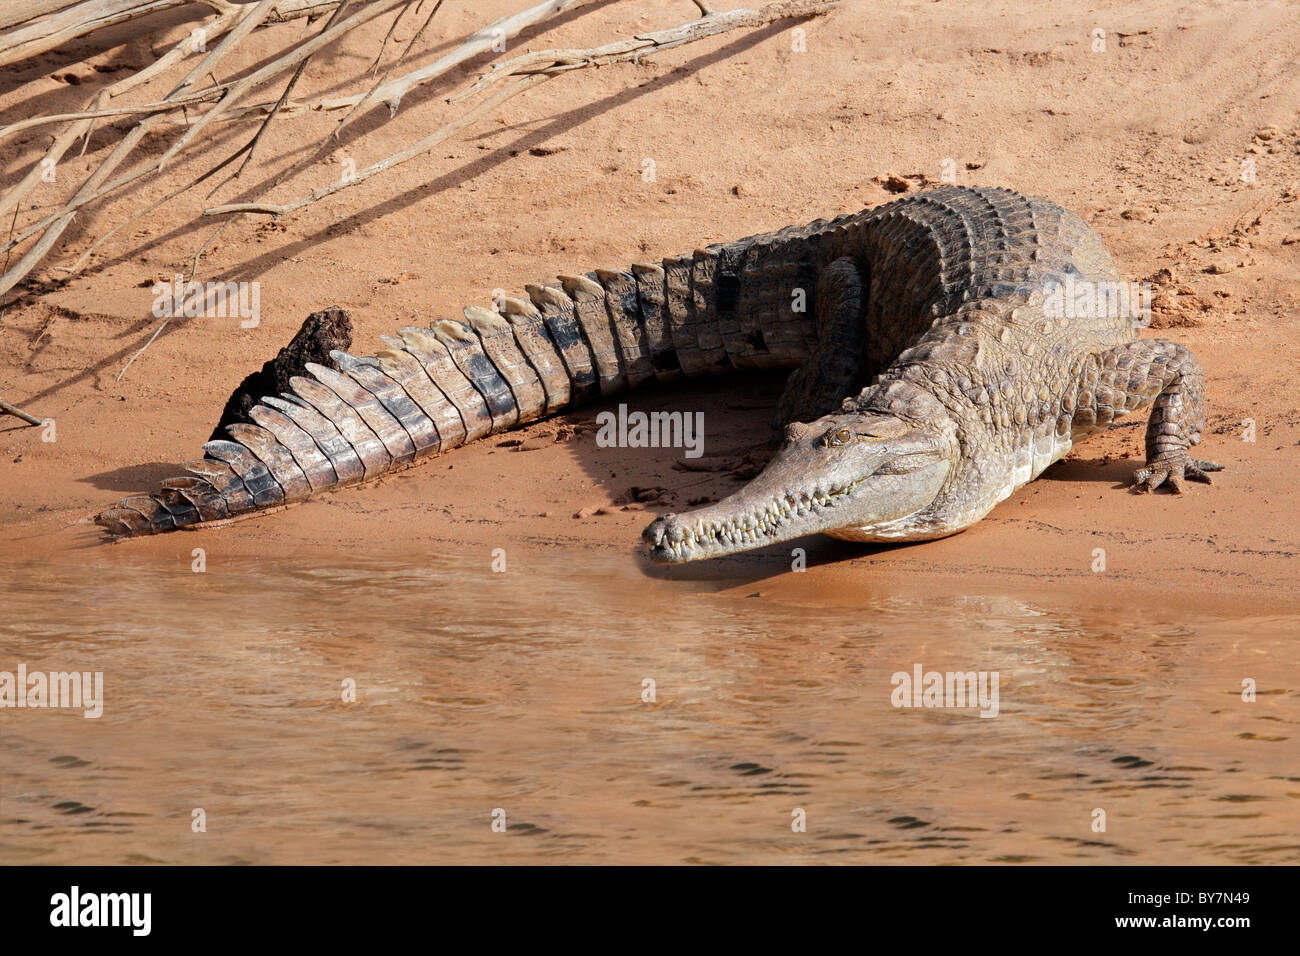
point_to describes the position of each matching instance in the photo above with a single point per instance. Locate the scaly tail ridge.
(561, 342)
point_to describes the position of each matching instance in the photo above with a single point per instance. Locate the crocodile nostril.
(657, 530)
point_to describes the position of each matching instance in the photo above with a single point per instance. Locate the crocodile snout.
(664, 538)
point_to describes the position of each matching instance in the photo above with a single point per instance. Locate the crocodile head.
(861, 475)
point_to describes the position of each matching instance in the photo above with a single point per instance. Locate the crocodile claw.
(1172, 473)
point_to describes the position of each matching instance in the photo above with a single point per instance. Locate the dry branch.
(625, 50)
(392, 66)
(215, 27)
(22, 11)
(95, 187)
(622, 51)
(478, 42)
(391, 92)
(233, 23)
(17, 412)
(54, 224)
(51, 32)
(441, 134)
(94, 184)
(295, 56)
(247, 150)
(77, 20)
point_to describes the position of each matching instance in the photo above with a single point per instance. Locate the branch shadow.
(235, 135)
(563, 122)
(106, 134)
(119, 36)
(556, 125)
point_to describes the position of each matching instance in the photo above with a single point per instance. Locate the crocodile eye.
(841, 436)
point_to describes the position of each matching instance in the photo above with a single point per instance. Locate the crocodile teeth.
(750, 529)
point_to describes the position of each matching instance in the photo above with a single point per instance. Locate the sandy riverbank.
(1146, 140)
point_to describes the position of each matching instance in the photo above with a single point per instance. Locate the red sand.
(1145, 140)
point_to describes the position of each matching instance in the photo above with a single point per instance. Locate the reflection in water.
(523, 691)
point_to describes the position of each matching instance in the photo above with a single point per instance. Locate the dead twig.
(392, 28)
(4, 297)
(391, 92)
(14, 410)
(480, 41)
(22, 11)
(214, 28)
(250, 148)
(44, 33)
(100, 240)
(392, 66)
(233, 23)
(178, 308)
(537, 68)
(247, 151)
(91, 188)
(622, 51)
(439, 135)
(96, 187)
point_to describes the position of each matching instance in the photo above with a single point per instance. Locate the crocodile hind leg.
(835, 369)
(1161, 374)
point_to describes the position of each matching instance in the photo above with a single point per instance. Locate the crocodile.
(937, 367)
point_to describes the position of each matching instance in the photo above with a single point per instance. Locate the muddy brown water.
(523, 692)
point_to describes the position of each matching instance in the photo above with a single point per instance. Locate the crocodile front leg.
(1140, 373)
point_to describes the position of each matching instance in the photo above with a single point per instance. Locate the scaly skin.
(941, 301)
(997, 387)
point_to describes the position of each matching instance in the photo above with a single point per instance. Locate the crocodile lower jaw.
(768, 525)
(902, 530)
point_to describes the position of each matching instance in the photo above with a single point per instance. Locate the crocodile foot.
(1172, 471)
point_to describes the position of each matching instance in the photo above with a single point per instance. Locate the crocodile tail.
(563, 342)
